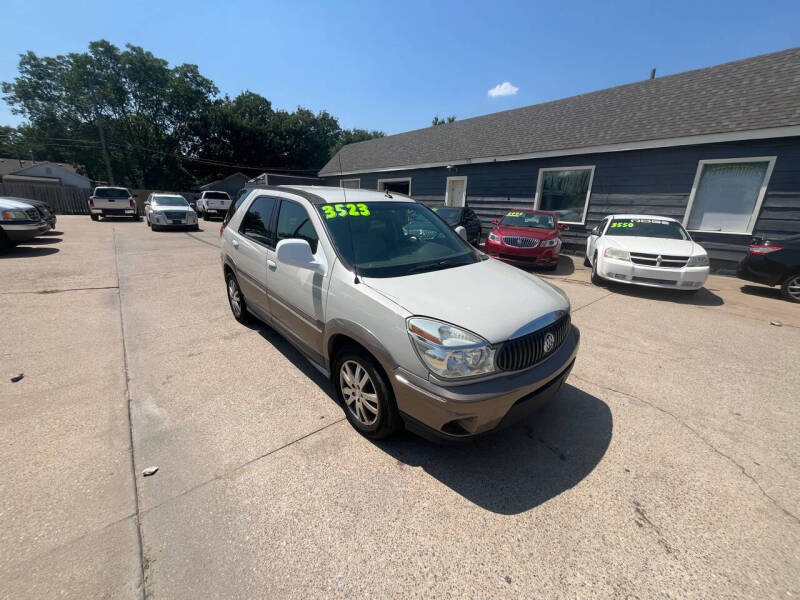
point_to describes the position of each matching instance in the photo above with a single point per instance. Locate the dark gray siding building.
(717, 148)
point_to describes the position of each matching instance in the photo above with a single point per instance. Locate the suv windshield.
(169, 201)
(391, 239)
(216, 196)
(111, 193)
(523, 219)
(655, 228)
(451, 215)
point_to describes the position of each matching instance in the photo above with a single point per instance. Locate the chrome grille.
(175, 215)
(652, 260)
(527, 350)
(520, 242)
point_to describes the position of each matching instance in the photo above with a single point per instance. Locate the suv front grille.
(176, 215)
(520, 242)
(651, 260)
(527, 350)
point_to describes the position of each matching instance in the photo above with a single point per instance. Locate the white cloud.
(503, 89)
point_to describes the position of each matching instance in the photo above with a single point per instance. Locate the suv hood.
(491, 299)
(8, 203)
(160, 208)
(648, 245)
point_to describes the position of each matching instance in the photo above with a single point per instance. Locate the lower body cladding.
(454, 412)
(533, 257)
(685, 278)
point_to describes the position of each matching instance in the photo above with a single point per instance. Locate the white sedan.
(646, 250)
(163, 211)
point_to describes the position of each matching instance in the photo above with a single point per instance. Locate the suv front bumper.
(453, 412)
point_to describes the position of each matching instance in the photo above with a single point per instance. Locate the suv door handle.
(235, 244)
(272, 264)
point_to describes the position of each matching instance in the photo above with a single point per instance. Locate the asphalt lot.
(669, 466)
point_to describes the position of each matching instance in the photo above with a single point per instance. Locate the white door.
(456, 191)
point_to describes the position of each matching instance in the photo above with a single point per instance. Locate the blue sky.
(392, 66)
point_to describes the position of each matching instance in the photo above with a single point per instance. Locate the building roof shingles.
(754, 93)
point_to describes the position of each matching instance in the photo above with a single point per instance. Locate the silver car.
(414, 326)
(167, 211)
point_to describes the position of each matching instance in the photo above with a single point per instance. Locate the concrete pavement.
(667, 467)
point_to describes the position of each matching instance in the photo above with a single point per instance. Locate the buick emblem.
(549, 342)
(658, 260)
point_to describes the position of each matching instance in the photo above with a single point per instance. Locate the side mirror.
(146, 204)
(297, 253)
(596, 231)
(495, 222)
(563, 226)
(462, 233)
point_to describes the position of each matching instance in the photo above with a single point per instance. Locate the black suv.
(464, 216)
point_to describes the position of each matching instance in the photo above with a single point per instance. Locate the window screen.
(257, 220)
(565, 192)
(293, 223)
(726, 196)
(353, 184)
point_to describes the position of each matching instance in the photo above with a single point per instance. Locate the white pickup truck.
(213, 203)
(112, 202)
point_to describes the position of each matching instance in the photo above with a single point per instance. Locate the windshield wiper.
(442, 264)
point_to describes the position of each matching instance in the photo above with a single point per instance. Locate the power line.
(208, 161)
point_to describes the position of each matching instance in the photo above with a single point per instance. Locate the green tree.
(351, 136)
(437, 121)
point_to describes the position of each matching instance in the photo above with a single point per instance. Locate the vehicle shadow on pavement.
(763, 291)
(28, 252)
(517, 469)
(703, 297)
(43, 241)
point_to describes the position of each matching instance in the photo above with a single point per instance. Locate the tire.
(596, 279)
(586, 262)
(137, 218)
(206, 217)
(790, 288)
(370, 407)
(95, 217)
(5, 243)
(236, 299)
(196, 227)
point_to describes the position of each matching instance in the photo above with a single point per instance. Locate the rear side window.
(257, 221)
(293, 223)
(234, 206)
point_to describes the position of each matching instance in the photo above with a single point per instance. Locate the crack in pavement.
(699, 436)
(244, 464)
(127, 389)
(77, 289)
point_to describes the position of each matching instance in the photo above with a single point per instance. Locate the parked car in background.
(463, 216)
(526, 237)
(371, 288)
(774, 263)
(646, 250)
(213, 203)
(19, 222)
(44, 209)
(169, 211)
(108, 201)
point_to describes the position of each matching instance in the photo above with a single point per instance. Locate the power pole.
(106, 158)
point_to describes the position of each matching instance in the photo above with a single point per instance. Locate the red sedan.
(526, 237)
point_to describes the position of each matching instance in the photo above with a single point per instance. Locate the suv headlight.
(700, 260)
(549, 243)
(448, 351)
(494, 237)
(16, 215)
(617, 253)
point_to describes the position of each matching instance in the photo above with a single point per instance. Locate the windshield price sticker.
(616, 224)
(514, 214)
(345, 210)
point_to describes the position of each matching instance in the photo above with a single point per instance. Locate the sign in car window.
(346, 209)
(647, 227)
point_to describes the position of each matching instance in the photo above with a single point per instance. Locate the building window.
(565, 191)
(351, 184)
(400, 185)
(727, 194)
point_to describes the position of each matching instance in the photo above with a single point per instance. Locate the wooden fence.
(63, 199)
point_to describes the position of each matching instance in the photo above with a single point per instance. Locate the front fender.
(360, 334)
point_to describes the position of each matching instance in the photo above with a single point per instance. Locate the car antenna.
(349, 228)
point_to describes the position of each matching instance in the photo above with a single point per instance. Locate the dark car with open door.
(774, 263)
(464, 216)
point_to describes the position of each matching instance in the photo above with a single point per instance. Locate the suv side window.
(234, 206)
(257, 221)
(293, 223)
